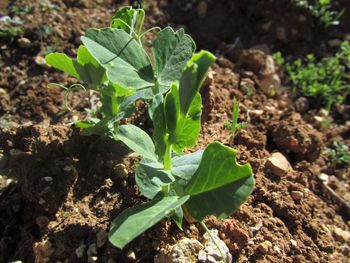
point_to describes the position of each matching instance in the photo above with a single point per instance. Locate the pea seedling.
(234, 126)
(196, 185)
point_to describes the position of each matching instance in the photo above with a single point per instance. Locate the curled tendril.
(71, 88)
(147, 31)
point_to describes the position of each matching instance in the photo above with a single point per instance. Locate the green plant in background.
(19, 10)
(325, 82)
(233, 126)
(339, 153)
(196, 185)
(10, 28)
(113, 63)
(322, 10)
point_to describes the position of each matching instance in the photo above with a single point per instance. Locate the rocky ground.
(59, 190)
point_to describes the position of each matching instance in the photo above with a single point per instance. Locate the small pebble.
(131, 255)
(92, 259)
(24, 42)
(297, 195)
(294, 243)
(80, 251)
(277, 249)
(48, 179)
(264, 247)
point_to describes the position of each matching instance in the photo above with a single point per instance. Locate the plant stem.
(214, 241)
(167, 155)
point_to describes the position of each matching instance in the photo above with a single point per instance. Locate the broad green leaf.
(157, 114)
(125, 61)
(218, 167)
(84, 57)
(84, 68)
(171, 52)
(220, 185)
(134, 221)
(187, 128)
(204, 60)
(220, 202)
(193, 77)
(62, 62)
(151, 177)
(187, 88)
(137, 140)
(185, 165)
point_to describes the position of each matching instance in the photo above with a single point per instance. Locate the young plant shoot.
(195, 185)
(234, 126)
(113, 63)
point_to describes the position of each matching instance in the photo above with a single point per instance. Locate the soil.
(61, 189)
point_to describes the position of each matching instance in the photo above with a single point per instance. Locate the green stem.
(167, 155)
(214, 241)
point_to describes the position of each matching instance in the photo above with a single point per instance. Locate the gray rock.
(80, 251)
(101, 238)
(184, 251)
(210, 253)
(302, 104)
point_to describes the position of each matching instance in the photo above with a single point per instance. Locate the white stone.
(278, 164)
(341, 235)
(294, 243)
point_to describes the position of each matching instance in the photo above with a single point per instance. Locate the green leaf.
(134, 221)
(204, 60)
(137, 140)
(84, 68)
(62, 62)
(187, 88)
(151, 177)
(220, 185)
(185, 165)
(156, 113)
(171, 52)
(221, 202)
(107, 126)
(128, 104)
(187, 129)
(193, 77)
(125, 61)
(178, 216)
(127, 18)
(172, 108)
